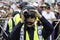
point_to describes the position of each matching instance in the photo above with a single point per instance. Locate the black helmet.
(23, 4)
(29, 12)
(29, 7)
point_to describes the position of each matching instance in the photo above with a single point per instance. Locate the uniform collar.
(30, 28)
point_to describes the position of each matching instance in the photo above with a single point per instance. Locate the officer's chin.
(30, 25)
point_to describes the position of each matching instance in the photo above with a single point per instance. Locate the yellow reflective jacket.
(16, 20)
(36, 36)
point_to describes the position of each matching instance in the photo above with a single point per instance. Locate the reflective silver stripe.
(40, 32)
(22, 34)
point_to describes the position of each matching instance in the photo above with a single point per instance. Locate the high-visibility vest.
(16, 20)
(36, 36)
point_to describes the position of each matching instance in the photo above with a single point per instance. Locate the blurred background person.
(50, 16)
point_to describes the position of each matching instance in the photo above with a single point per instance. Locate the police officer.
(13, 21)
(16, 18)
(27, 29)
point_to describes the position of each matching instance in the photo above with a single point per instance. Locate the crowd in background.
(50, 12)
